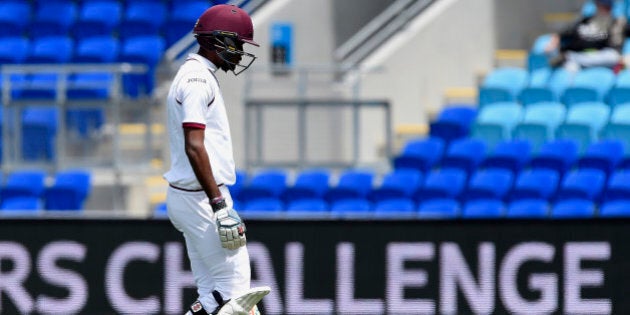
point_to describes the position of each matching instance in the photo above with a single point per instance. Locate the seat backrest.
(559, 80)
(150, 12)
(597, 78)
(593, 114)
(623, 79)
(359, 180)
(97, 49)
(54, 49)
(187, 11)
(573, 208)
(621, 114)
(467, 147)
(540, 44)
(314, 178)
(516, 148)
(542, 180)
(539, 78)
(513, 79)
(351, 205)
(395, 205)
(62, 13)
(609, 149)
(459, 114)
(504, 113)
(13, 49)
(144, 49)
(404, 179)
(546, 113)
(264, 204)
(308, 205)
(107, 12)
(528, 208)
(431, 146)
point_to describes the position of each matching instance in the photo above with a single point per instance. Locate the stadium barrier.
(325, 267)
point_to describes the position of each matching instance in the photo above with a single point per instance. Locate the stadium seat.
(618, 126)
(615, 209)
(97, 49)
(620, 92)
(241, 180)
(573, 208)
(27, 204)
(603, 155)
(147, 50)
(352, 184)
(483, 209)
(558, 155)
(401, 183)
(618, 186)
(265, 184)
(489, 184)
(15, 16)
(510, 155)
(142, 18)
(585, 184)
(97, 18)
(264, 204)
(69, 191)
(539, 123)
(182, 18)
(26, 183)
(453, 122)
(465, 154)
(309, 184)
(53, 19)
(442, 183)
(535, 184)
(502, 85)
(394, 208)
(420, 154)
(536, 57)
(546, 89)
(13, 49)
(308, 205)
(496, 121)
(351, 208)
(439, 208)
(50, 49)
(589, 85)
(530, 208)
(160, 210)
(584, 123)
(39, 130)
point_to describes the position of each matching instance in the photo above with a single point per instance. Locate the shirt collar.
(211, 66)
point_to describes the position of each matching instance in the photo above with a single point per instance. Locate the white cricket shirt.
(195, 101)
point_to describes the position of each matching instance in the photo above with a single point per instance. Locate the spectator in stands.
(594, 41)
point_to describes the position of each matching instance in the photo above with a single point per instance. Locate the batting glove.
(230, 226)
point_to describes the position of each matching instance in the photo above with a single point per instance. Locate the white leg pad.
(244, 303)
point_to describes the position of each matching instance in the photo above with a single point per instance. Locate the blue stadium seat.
(442, 183)
(53, 18)
(26, 183)
(618, 186)
(530, 208)
(269, 183)
(421, 154)
(352, 184)
(147, 50)
(537, 58)
(351, 208)
(582, 184)
(160, 210)
(535, 184)
(439, 208)
(511, 155)
(620, 92)
(465, 154)
(615, 209)
(39, 129)
(546, 89)
(15, 16)
(589, 85)
(483, 209)
(584, 123)
(264, 204)
(489, 184)
(69, 191)
(603, 155)
(97, 18)
(50, 49)
(618, 126)
(496, 121)
(401, 183)
(394, 208)
(502, 85)
(97, 49)
(182, 19)
(308, 205)
(142, 18)
(309, 184)
(26, 204)
(573, 208)
(558, 155)
(453, 122)
(241, 181)
(539, 123)
(14, 49)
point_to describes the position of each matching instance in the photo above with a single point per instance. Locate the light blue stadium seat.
(492, 183)
(421, 154)
(53, 18)
(312, 183)
(483, 209)
(558, 155)
(142, 18)
(502, 85)
(537, 59)
(546, 85)
(510, 155)
(535, 184)
(620, 92)
(352, 184)
(442, 183)
(442, 208)
(615, 209)
(539, 123)
(398, 208)
(618, 186)
(97, 18)
(14, 17)
(453, 122)
(604, 155)
(530, 208)
(584, 122)
(401, 183)
(585, 184)
(69, 190)
(269, 183)
(573, 208)
(618, 126)
(589, 85)
(465, 154)
(496, 121)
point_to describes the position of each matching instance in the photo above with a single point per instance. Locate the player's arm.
(199, 160)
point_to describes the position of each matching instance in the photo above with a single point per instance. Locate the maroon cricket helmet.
(225, 18)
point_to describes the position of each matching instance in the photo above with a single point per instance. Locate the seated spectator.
(594, 41)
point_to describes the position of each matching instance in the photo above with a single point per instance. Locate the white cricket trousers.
(214, 267)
